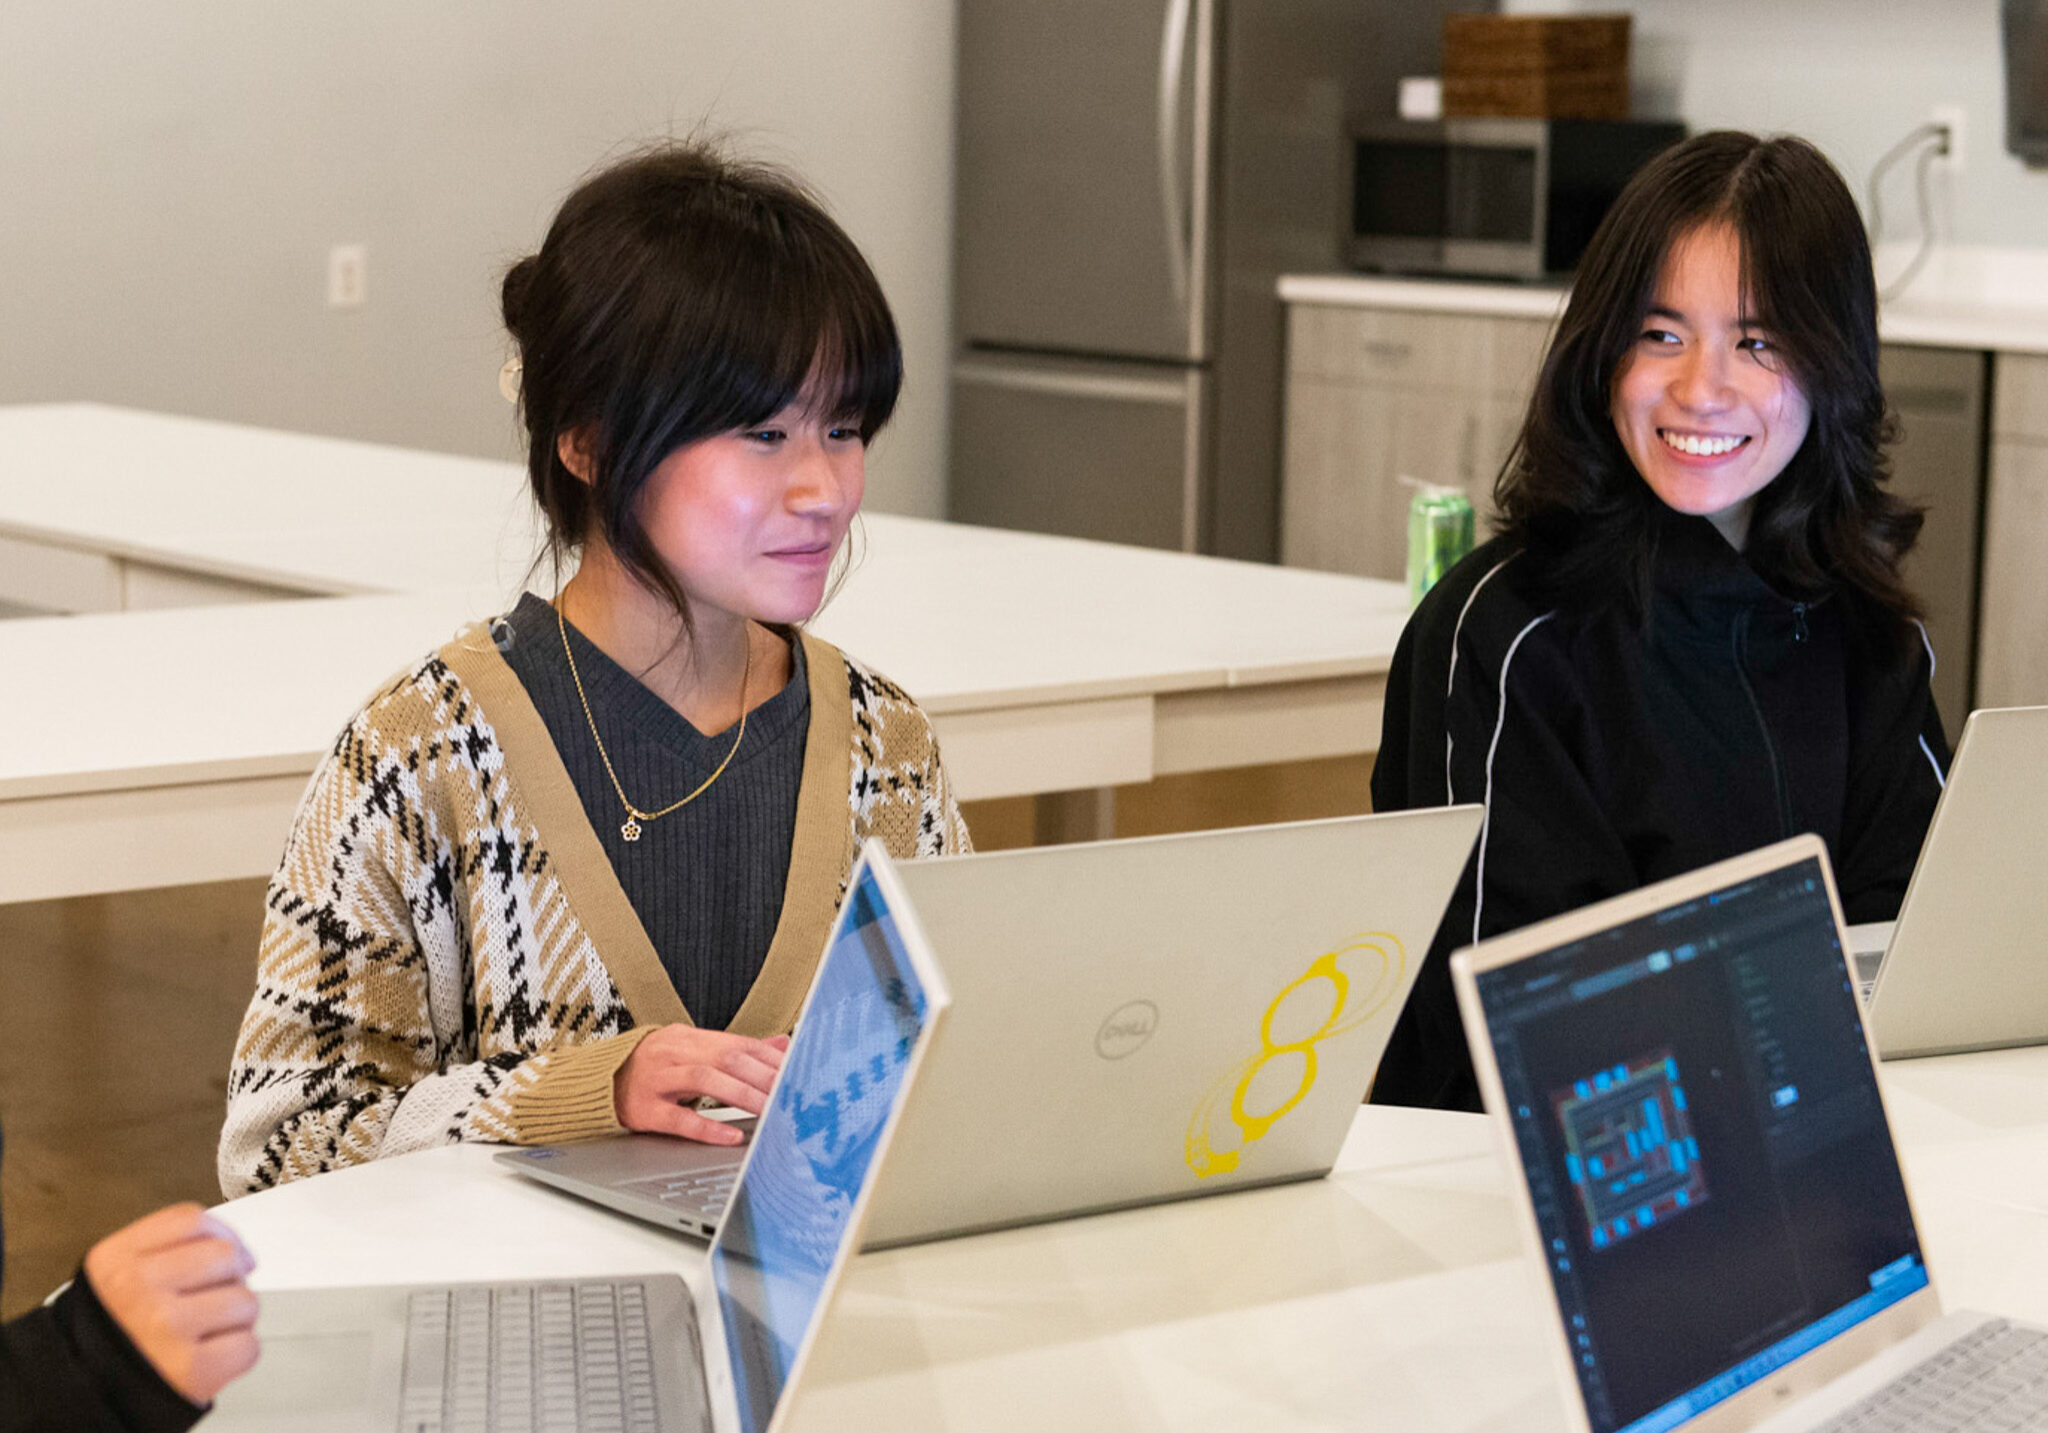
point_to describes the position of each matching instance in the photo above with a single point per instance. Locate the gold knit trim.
(572, 1098)
(556, 813)
(820, 851)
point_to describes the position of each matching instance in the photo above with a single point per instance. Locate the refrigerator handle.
(1026, 378)
(1173, 48)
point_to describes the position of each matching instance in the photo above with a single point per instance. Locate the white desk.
(142, 748)
(1392, 1295)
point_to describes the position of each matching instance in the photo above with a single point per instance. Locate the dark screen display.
(1404, 189)
(1492, 195)
(1699, 1123)
(1399, 190)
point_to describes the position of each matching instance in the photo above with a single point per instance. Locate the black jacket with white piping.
(1611, 752)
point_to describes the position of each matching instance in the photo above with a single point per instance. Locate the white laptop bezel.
(1810, 1371)
(724, 1398)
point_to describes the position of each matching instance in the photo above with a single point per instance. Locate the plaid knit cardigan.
(446, 952)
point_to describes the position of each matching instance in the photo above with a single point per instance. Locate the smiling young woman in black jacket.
(1690, 637)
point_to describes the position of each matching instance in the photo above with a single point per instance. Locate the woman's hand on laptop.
(175, 1283)
(672, 1067)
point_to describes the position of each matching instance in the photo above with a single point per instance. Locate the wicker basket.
(1536, 66)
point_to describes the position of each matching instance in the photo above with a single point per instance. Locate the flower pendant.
(631, 830)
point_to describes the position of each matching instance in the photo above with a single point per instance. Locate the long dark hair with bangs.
(680, 294)
(1569, 494)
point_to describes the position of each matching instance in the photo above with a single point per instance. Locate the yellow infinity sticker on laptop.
(1315, 1005)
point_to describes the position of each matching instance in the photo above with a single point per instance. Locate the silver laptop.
(1701, 1162)
(1157, 1019)
(677, 1183)
(1964, 970)
(1136, 1021)
(639, 1355)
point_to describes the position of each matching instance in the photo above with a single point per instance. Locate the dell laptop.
(1162, 1018)
(649, 1354)
(1702, 1165)
(1135, 1021)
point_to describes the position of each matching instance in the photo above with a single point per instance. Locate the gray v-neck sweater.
(707, 880)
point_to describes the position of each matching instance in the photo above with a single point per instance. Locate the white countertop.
(1392, 1291)
(1965, 298)
(1394, 1294)
(188, 694)
(968, 618)
(304, 513)
(1950, 323)
(155, 747)
(945, 608)
(1501, 299)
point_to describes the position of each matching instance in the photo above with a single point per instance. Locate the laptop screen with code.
(1699, 1124)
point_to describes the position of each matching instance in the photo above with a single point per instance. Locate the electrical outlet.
(1950, 117)
(348, 276)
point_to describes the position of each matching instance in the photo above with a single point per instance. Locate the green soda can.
(1439, 533)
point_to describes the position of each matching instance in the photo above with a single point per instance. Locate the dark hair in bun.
(680, 294)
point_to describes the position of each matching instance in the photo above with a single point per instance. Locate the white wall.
(173, 172)
(1853, 76)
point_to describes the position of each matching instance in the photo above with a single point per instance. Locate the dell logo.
(1127, 1027)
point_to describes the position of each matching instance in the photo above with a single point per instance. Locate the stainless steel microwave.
(1498, 198)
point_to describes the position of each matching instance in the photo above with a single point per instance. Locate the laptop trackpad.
(315, 1371)
(313, 1382)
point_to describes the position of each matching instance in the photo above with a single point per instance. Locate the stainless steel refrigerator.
(1132, 177)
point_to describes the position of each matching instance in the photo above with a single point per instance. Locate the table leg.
(1059, 817)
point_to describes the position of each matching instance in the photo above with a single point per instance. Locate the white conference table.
(1391, 1295)
(243, 591)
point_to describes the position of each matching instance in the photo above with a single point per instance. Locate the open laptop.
(648, 1354)
(1964, 970)
(1135, 1021)
(1700, 1156)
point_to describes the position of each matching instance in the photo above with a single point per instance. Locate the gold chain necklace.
(634, 815)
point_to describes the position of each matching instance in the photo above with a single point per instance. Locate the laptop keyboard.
(531, 1358)
(703, 1193)
(1992, 1380)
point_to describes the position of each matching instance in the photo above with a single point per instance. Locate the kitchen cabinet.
(1375, 395)
(1938, 396)
(2012, 624)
